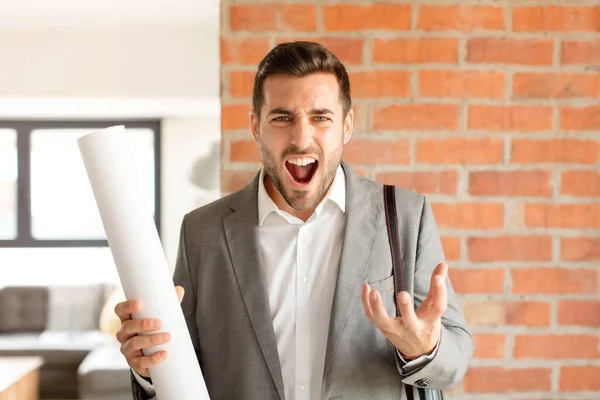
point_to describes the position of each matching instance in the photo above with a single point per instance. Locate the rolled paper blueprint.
(140, 259)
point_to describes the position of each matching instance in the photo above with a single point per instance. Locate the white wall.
(191, 162)
(156, 72)
(109, 62)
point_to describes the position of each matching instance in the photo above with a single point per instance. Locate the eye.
(281, 119)
(321, 118)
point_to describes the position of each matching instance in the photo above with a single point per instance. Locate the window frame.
(24, 129)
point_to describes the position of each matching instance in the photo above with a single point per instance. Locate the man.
(288, 282)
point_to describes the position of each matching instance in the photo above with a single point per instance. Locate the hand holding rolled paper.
(133, 343)
(142, 266)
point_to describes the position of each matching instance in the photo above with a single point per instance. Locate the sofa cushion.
(23, 309)
(76, 308)
(104, 370)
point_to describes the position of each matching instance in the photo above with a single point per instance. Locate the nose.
(302, 134)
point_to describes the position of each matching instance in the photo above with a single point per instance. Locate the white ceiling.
(197, 13)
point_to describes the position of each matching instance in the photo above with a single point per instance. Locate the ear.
(348, 125)
(254, 123)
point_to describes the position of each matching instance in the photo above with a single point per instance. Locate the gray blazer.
(227, 311)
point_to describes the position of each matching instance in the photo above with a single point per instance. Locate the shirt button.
(303, 279)
(303, 332)
(302, 386)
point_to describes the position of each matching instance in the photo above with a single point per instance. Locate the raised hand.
(132, 343)
(415, 333)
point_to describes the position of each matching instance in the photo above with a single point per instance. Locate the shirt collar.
(336, 194)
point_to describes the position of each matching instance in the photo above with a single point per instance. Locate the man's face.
(300, 136)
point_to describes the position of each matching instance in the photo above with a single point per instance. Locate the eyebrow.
(285, 111)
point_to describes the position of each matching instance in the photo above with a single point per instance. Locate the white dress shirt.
(301, 261)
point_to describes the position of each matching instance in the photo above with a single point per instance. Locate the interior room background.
(489, 108)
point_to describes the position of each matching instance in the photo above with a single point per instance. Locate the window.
(45, 196)
(8, 184)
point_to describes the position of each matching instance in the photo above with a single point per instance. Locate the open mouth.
(302, 170)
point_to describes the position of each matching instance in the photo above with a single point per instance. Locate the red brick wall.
(492, 111)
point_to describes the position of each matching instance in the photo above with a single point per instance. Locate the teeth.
(302, 161)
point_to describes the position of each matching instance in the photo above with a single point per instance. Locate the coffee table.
(19, 378)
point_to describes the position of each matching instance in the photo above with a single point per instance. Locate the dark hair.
(299, 59)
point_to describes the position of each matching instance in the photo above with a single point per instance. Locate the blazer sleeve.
(138, 391)
(456, 345)
(181, 277)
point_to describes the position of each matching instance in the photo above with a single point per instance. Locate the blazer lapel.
(363, 216)
(243, 243)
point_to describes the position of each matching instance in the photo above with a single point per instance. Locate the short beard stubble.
(297, 198)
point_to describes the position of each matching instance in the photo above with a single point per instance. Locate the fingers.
(366, 289)
(180, 293)
(374, 308)
(142, 342)
(407, 311)
(134, 327)
(126, 308)
(141, 363)
(441, 269)
(437, 298)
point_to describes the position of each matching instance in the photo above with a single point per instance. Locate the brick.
(460, 151)
(374, 152)
(580, 118)
(555, 281)
(266, 17)
(235, 116)
(415, 50)
(424, 182)
(574, 216)
(489, 346)
(461, 84)
(528, 313)
(542, 85)
(243, 50)
(510, 118)
(582, 52)
(500, 313)
(579, 378)
(451, 246)
(361, 118)
(374, 84)
(511, 183)
(556, 18)
(556, 347)
(469, 215)
(515, 214)
(503, 380)
(510, 51)
(484, 313)
(477, 280)
(416, 117)
(348, 50)
(510, 248)
(580, 183)
(232, 181)
(244, 151)
(579, 313)
(241, 83)
(464, 18)
(529, 151)
(373, 16)
(580, 248)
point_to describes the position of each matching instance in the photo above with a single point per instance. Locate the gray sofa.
(61, 324)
